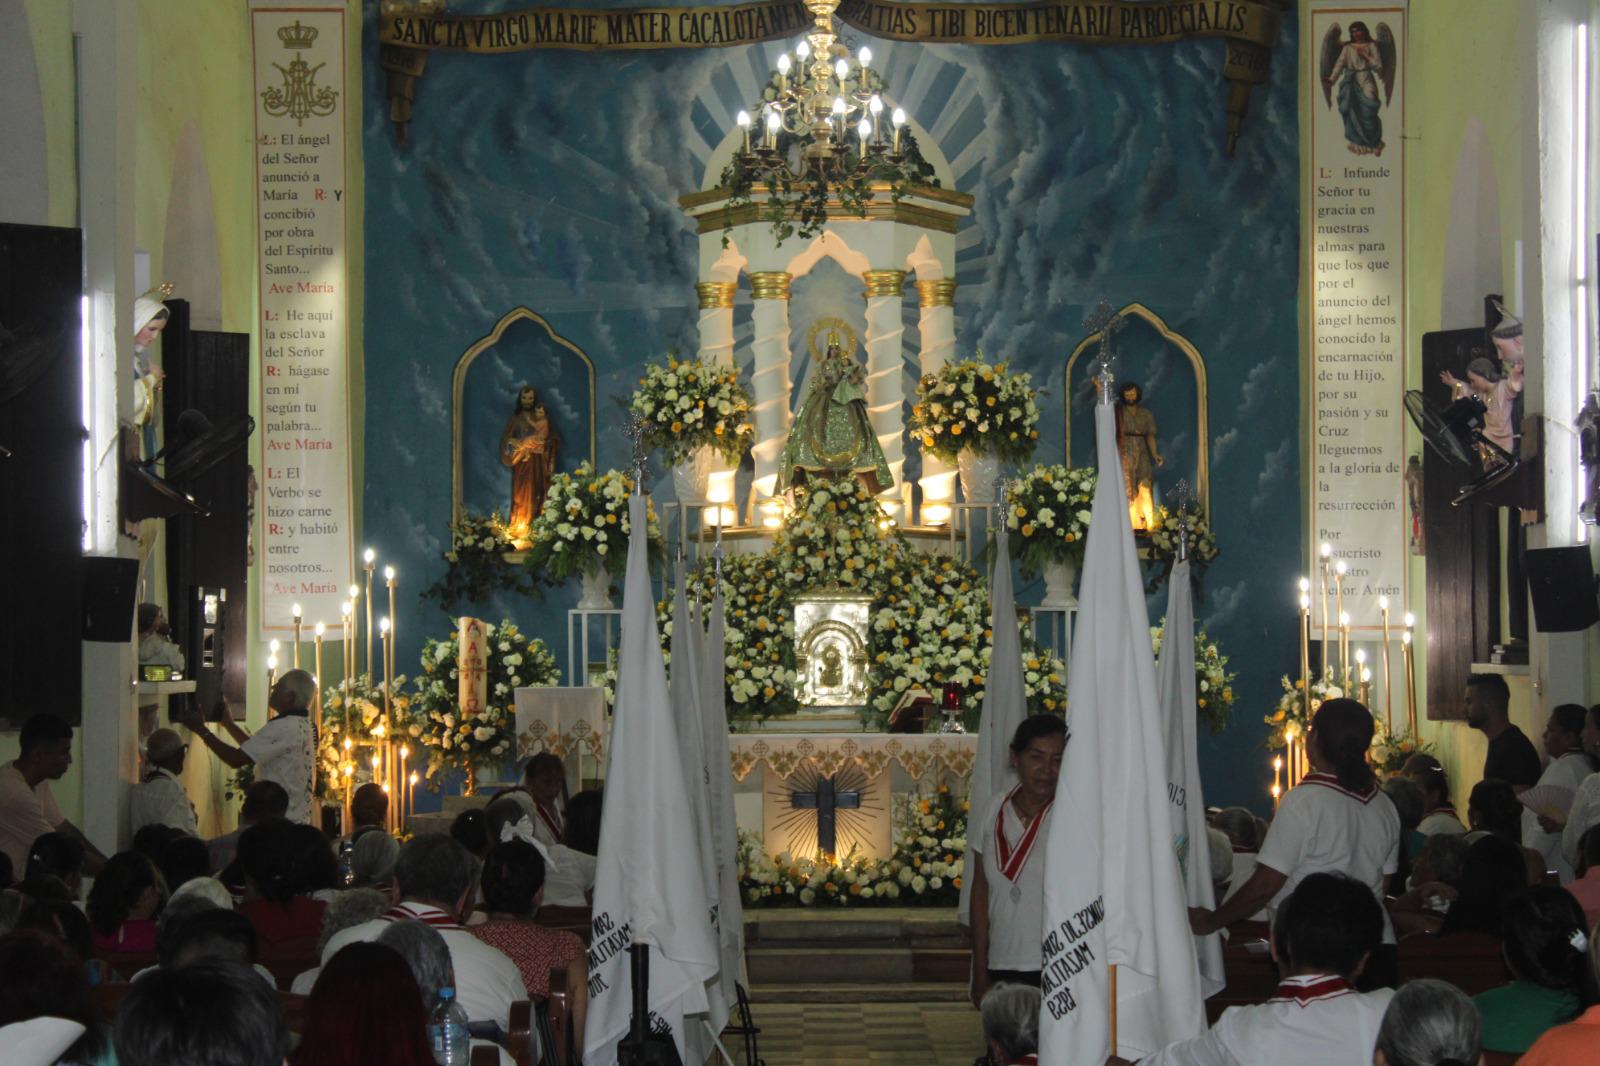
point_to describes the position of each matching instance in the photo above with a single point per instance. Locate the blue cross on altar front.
(827, 799)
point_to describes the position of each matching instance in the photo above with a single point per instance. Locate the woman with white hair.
(1011, 1024)
(281, 751)
(1429, 1023)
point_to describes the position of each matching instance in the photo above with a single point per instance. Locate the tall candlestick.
(1327, 561)
(1344, 652)
(1339, 570)
(1388, 689)
(1277, 794)
(1407, 655)
(405, 754)
(1305, 646)
(296, 612)
(347, 611)
(1366, 685)
(272, 669)
(1277, 776)
(389, 580)
(316, 662)
(368, 557)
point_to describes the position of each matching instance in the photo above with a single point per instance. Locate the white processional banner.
(306, 546)
(1354, 233)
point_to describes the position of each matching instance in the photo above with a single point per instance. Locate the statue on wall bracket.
(832, 435)
(1136, 444)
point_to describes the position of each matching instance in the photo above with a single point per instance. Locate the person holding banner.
(1325, 934)
(1007, 878)
(1336, 820)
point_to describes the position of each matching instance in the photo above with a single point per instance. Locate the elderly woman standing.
(1335, 821)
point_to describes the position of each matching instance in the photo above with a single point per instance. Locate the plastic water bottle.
(347, 873)
(447, 1031)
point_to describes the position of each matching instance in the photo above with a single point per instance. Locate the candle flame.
(1383, 604)
(388, 573)
(321, 629)
(1326, 549)
(295, 610)
(1361, 656)
(1405, 638)
(1340, 568)
(1305, 603)
(368, 556)
(1305, 584)
(1411, 619)
(355, 593)
(413, 778)
(1277, 763)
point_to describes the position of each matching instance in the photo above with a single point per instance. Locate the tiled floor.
(850, 1034)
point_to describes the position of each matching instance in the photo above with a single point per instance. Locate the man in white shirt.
(1324, 934)
(283, 750)
(1007, 875)
(435, 879)
(27, 809)
(160, 798)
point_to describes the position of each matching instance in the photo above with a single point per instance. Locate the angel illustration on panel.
(1351, 71)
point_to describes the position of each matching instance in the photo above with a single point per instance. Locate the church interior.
(636, 487)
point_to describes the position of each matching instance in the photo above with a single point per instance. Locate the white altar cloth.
(918, 754)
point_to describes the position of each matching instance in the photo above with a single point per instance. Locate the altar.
(799, 792)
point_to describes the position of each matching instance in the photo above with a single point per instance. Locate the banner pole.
(1113, 1008)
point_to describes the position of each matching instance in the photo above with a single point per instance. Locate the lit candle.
(295, 611)
(1388, 688)
(272, 668)
(898, 118)
(1344, 652)
(316, 662)
(1277, 775)
(1305, 646)
(1408, 660)
(1327, 561)
(1362, 673)
(400, 822)
(1339, 570)
(368, 558)
(389, 582)
(1276, 795)
(1366, 685)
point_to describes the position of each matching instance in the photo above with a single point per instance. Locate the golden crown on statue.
(297, 37)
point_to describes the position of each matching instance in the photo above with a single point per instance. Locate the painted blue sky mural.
(549, 180)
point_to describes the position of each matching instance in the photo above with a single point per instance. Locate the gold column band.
(716, 293)
(770, 284)
(936, 292)
(884, 282)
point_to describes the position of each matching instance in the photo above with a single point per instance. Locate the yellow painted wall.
(194, 69)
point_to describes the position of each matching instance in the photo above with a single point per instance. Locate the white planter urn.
(692, 478)
(1059, 580)
(978, 476)
(596, 590)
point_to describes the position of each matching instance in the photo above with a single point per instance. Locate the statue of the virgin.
(832, 436)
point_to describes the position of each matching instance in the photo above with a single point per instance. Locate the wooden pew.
(1473, 962)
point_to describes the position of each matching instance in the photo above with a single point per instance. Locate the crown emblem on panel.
(297, 37)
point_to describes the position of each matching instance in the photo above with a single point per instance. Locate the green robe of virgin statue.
(831, 435)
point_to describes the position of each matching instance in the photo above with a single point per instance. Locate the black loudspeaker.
(109, 588)
(1561, 584)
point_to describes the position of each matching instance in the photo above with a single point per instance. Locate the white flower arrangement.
(455, 740)
(1291, 710)
(1213, 682)
(929, 618)
(1049, 513)
(929, 836)
(971, 405)
(687, 404)
(584, 525)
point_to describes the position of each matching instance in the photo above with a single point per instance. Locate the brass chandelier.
(821, 135)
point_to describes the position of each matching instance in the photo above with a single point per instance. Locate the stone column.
(769, 377)
(885, 380)
(936, 323)
(716, 346)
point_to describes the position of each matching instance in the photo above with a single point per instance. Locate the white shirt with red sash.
(1323, 827)
(1013, 866)
(1318, 1020)
(487, 981)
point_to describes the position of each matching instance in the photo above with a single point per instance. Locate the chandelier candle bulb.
(773, 122)
(783, 71)
(841, 70)
(864, 131)
(803, 50)
(898, 117)
(743, 122)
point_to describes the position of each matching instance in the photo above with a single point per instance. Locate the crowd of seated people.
(262, 932)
